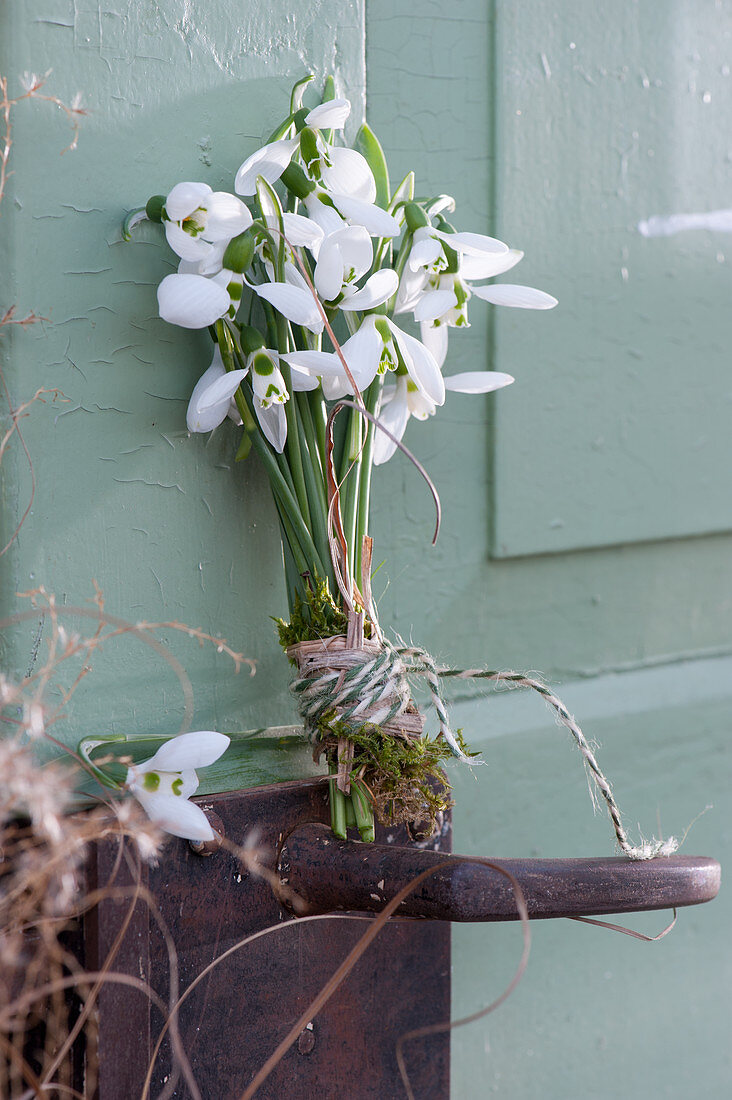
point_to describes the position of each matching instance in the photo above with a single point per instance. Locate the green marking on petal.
(383, 329)
(151, 782)
(177, 785)
(262, 364)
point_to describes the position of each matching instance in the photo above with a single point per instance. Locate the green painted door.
(587, 507)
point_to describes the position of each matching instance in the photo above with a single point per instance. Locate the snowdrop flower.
(343, 258)
(376, 347)
(404, 400)
(164, 783)
(199, 218)
(437, 281)
(212, 399)
(270, 161)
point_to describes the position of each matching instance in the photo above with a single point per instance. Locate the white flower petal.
(474, 244)
(519, 297)
(434, 338)
(349, 174)
(293, 277)
(411, 288)
(189, 750)
(196, 420)
(478, 381)
(376, 290)
(420, 363)
(488, 266)
(185, 198)
(292, 302)
(425, 250)
(394, 417)
(371, 217)
(273, 422)
(329, 270)
(333, 388)
(315, 362)
(221, 389)
(354, 244)
(434, 304)
(301, 380)
(322, 213)
(189, 783)
(176, 815)
(213, 261)
(199, 420)
(329, 116)
(269, 162)
(193, 249)
(227, 217)
(191, 301)
(302, 232)
(420, 407)
(362, 352)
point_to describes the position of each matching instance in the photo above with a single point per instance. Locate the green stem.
(316, 491)
(372, 398)
(337, 810)
(363, 811)
(351, 471)
(320, 417)
(284, 498)
(293, 436)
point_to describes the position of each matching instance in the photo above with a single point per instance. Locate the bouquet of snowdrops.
(313, 280)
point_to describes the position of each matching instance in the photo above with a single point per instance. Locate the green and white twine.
(376, 690)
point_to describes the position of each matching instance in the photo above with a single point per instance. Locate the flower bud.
(296, 181)
(310, 152)
(415, 217)
(251, 339)
(239, 252)
(155, 208)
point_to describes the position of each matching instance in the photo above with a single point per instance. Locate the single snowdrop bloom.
(268, 385)
(442, 302)
(343, 258)
(270, 161)
(191, 300)
(199, 217)
(404, 400)
(212, 398)
(377, 346)
(272, 416)
(164, 783)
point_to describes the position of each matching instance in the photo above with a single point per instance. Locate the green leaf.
(368, 144)
(403, 193)
(328, 90)
(297, 92)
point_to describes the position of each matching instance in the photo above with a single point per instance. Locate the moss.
(317, 616)
(403, 776)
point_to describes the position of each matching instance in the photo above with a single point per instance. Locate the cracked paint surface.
(175, 90)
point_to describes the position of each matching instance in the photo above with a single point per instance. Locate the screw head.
(306, 1039)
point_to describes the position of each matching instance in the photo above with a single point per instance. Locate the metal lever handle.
(331, 874)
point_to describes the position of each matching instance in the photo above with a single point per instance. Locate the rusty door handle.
(330, 874)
